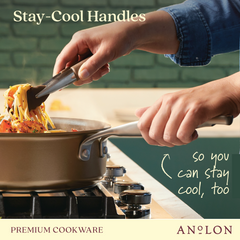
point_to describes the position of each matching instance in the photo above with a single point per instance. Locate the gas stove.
(129, 196)
(123, 193)
(94, 202)
(110, 198)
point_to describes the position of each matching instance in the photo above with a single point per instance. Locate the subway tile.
(13, 44)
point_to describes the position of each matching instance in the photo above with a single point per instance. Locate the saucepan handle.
(131, 130)
(126, 130)
(221, 120)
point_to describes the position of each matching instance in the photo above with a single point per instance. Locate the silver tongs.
(61, 80)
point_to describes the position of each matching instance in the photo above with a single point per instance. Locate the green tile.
(49, 10)
(202, 74)
(35, 59)
(4, 29)
(6, 84)
(226, 60)
(232, 70)
(19, 75)
(4, 2)
(68, 29)
(169, 2)
(177, 84)
(138, 10)
(128, 3)
(53, 44)
(7, 12)
(44, 74)
(12, 44)
(28, 51)
(156, 74)
(5, 59)
(35, 2)
(117, 74)
(94, 84)
(32, 29)
(135, 59)
(131, 85)
(83, 2)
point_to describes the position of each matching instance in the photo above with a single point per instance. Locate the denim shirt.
(205, 28)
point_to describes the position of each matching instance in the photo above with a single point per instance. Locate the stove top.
(116, 196)
(95, 202)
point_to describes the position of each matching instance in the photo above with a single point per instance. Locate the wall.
(28, 51)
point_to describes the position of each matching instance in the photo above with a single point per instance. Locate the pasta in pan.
(17, 118)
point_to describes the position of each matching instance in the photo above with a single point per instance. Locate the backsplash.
(28, 50)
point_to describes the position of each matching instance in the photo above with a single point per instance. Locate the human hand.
(106, 43)
(173, 118)
(111, 41)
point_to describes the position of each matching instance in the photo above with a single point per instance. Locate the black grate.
(90, 203)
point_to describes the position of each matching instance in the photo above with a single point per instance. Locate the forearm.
(233, 86)
(157, 34)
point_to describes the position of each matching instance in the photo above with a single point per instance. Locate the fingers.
(163, 129)
(158, 127)
(167, 123)
(145, 121)
(67, 55)
(172, 126)
(100, 73)
(139, 112)
(186, 132)
(152, 123)
(93, 64)
(93, 69)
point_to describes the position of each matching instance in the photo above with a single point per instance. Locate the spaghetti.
(17, 118)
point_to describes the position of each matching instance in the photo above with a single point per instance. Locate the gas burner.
(112, 172)
(95, 202)
(133, 200)
(121, 186)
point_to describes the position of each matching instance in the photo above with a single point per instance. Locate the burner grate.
(91, 203)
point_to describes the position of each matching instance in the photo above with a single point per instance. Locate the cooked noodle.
(16, 112)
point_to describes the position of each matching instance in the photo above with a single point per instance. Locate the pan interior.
(68, 124)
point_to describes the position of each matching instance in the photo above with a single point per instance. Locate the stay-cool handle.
(131, 130)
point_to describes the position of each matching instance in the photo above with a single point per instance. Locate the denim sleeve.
(205, 28)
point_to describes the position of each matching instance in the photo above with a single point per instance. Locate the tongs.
(37, 95)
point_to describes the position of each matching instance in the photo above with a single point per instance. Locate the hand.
(172, 119)
(111, 41)
(106, 43)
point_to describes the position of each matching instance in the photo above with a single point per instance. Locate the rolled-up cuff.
(193, 33)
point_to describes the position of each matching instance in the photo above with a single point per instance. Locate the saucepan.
(65, 160)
